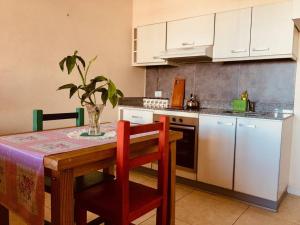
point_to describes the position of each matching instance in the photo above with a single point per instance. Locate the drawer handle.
(260, 49)
(225, 124)
(137, 117)
(156, 57)
(239, 51)
(188, 43)
(249, 126)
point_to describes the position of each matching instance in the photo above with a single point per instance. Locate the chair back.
(125, 163)
(39, 117)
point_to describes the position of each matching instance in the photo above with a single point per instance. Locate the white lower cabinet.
(216, 150)
(257, 162)
(137, 116)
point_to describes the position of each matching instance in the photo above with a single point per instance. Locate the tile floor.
(195, 207)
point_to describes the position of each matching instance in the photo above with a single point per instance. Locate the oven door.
(186, 148)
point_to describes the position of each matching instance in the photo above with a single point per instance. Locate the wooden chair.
(82, 182)
(121, 201)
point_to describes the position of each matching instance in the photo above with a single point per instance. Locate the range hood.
(201, 53)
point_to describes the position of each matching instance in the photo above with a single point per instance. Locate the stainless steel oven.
(186, 148)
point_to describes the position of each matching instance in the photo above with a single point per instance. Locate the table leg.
(172, 184)
(62, 197)
(4, 216)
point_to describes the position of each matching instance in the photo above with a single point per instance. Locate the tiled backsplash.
(269, 83)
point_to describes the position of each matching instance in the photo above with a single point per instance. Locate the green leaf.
(81, 60)
(73, 90)
(99, 79)
(62, 63)
(104, 96)
(70, 63)
(120, 93)
(83, 97)
(67, 86)
(111, 89)
(114, 100)
(90, 87)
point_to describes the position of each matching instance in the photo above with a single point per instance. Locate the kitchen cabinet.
(191, 32)
(216, 150)
(149, 42)
(273, 32)
(262, 155)
(232, 34)
(296, 13)
(138, 116)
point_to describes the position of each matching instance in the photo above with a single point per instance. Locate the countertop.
(224, 112)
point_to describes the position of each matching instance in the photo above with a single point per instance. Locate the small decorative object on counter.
(239, 105)
(244, 96)
(87, 90)
(157, 103)
(193, 103)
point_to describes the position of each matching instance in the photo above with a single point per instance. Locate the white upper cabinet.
(232, 34)
(273, 30)
(191, 32)
(149, 42)
(296, 12)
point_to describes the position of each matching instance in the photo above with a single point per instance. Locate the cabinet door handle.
(260, 49)
(136, 117)
(224, 123)
(156, 57)
(188, 43)
(249, 126)
(239, 51)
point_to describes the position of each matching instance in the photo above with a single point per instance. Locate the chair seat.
(104, 200)
(83, 182)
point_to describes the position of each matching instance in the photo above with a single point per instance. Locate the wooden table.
(65, 167)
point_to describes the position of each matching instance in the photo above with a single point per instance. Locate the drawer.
(138, 116)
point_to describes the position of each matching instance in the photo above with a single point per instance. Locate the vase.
(94, 112)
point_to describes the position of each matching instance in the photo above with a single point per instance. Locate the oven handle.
(182, 127)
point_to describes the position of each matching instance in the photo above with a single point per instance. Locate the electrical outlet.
(158, 94)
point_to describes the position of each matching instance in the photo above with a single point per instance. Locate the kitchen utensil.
(178, 93)
(192, 103)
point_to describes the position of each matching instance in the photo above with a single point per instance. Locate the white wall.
(36, 34)
(153, 11)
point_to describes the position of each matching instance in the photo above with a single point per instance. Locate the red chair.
(121, 201)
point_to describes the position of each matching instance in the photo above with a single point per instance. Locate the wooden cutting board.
(178, 93)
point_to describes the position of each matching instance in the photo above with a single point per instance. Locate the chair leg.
(161, 216)
(4, 216)
(80, 215)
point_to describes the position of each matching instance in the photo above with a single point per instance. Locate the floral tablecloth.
(22, 169)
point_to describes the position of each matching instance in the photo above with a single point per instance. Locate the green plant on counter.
(88, 90)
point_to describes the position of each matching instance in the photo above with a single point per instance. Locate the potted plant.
(89, 90)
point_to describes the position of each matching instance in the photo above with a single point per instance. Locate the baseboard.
(293, 190)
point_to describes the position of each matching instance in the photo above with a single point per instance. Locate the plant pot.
(94, 112)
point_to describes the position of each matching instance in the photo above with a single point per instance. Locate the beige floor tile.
(289, 209)
(145, 217)
(47, 200)
(137, 177)
(47, 215)
(257, 216)
(91, 216)
(200, 208)
(182, 190)
(152, 221)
